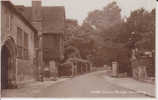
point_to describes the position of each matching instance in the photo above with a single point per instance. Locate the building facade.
(50, 23)
(19, 41)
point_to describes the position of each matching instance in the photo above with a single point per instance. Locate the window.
(25, 46)
(11, 22)
(7, 20)
(19, 43)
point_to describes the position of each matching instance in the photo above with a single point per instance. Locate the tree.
(138, 22)
(99, 26)
(71, 51)
(79, 37)
(103, 19)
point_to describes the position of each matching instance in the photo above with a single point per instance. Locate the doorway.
(5, 56)
(8, 69)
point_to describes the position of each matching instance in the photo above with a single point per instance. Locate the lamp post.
(132, 40)
(132, 48)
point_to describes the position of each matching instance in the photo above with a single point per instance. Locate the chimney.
(36, 11)
(36, 3)
(37, 15)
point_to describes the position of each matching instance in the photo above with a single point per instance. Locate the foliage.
(103, 31)
(103, 19)
(144, 29)
(79, 38)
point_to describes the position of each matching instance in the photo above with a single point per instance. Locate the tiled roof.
(17, 12)
(28, 13)
(25, 11)
(53, 18)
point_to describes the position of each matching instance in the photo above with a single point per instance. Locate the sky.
(78, 9)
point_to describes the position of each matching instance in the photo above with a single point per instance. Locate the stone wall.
(139, 69)
(25, 70)
(10, 21)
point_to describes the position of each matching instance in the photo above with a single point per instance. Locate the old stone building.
(19, 40)
(50, 23)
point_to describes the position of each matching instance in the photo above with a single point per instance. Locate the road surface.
(88, 85)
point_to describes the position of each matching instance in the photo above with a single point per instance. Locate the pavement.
(30, 89)
(146, 88)
(95, 84)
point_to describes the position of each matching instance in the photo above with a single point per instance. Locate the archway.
(8, 64)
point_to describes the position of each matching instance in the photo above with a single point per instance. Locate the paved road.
(88, 85)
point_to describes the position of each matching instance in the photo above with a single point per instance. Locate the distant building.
(50, 23)
(19, 39)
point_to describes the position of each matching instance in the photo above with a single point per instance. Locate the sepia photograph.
(78, 48)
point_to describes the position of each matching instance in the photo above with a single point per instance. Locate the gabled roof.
(28, 13)
(18, 13)
(53, 18)
(25, 11)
